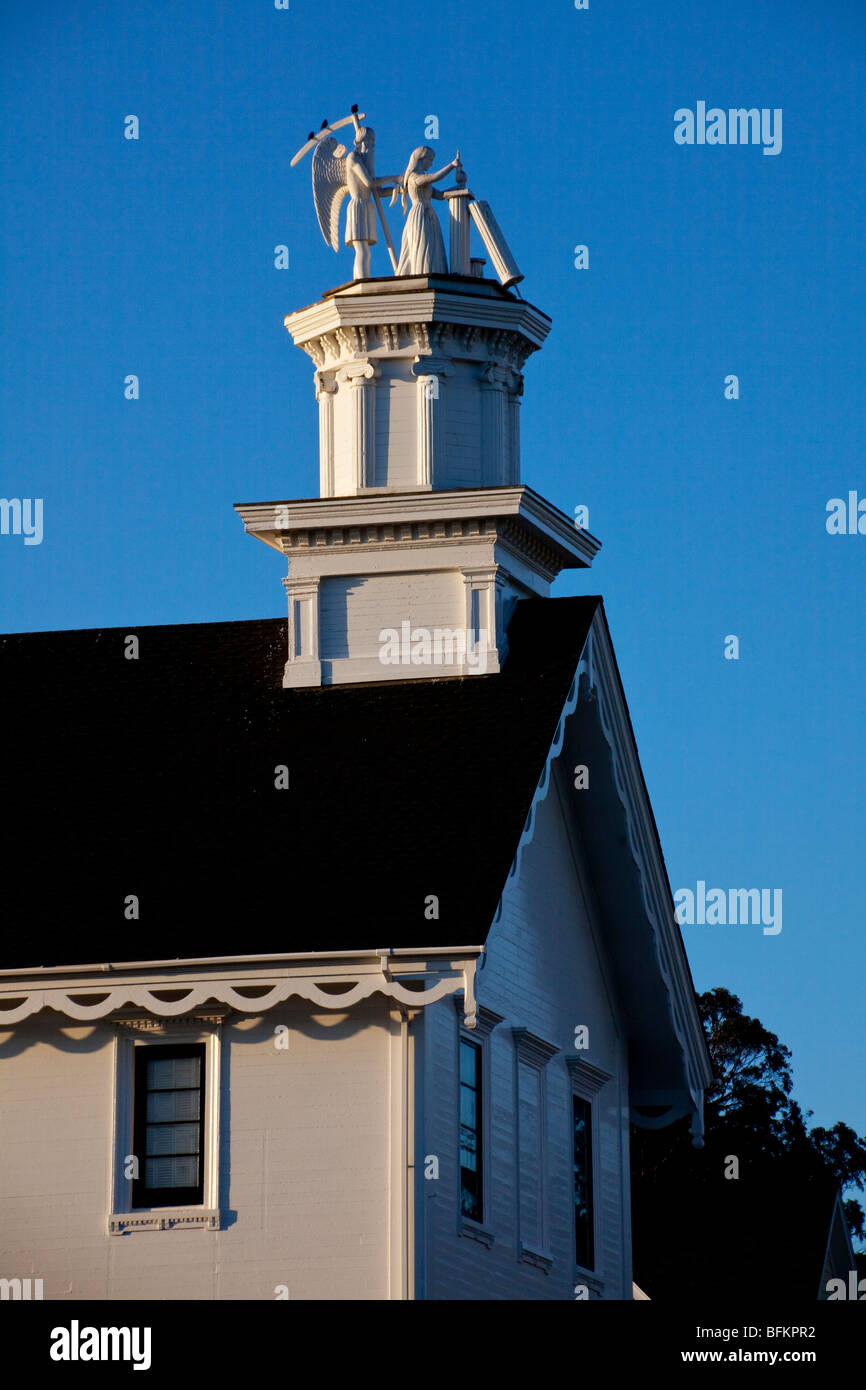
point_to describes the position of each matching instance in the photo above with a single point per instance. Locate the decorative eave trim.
(597, 679)
(528, 832)
(600, 683)
(333, 982)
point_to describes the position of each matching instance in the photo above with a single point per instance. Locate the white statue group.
(339, 173)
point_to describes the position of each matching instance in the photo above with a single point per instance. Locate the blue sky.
(155, 257)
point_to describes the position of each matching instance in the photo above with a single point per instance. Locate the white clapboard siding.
(545, 972)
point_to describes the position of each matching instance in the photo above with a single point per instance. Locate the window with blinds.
(168, 1107)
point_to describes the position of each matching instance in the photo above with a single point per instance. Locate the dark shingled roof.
(155, 777)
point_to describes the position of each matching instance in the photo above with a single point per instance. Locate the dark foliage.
(762, 1234)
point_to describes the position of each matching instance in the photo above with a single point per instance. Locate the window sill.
(535, 1257)
(474, 1231)
(593, 1283)
(164, 1219)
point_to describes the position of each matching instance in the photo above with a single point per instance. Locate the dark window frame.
(474, 1195)
(144, 1197)
(584, 1229)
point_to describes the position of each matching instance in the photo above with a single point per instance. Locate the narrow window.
(584, 1252)
(471, 1186)
(167, 1127)
(474, 620)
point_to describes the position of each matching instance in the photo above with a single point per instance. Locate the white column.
(458, 209)
(429, 372)
(494, 243)
(361, 378)
(402, 1170)
(428, 394)
(326, 387)
(514, 398)
(494, 426)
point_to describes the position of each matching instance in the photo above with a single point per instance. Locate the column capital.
(431, 366)
(497, 377)
(326, 383)
(488, 575)
(359, 373)
(301, 587)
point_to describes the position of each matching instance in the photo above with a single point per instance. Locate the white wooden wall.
(308, 1141)
(545, 971)
(463, 456)
(305, 1173)
(385, 601)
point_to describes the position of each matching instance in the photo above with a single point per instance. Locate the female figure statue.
(422, 251)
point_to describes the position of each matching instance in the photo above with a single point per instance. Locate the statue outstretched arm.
(362, 174)
(440, 173)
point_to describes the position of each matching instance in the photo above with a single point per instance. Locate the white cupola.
(422, 537)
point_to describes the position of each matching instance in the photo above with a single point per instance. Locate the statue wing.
(330, 186)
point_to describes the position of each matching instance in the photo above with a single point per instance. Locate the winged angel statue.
(338, 173)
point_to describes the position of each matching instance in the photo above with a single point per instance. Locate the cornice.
(506, 349)
(532, 1049)
(363, 315)
(585, 1076)
(395, 518)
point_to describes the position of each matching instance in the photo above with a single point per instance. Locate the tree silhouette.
(727, 1235)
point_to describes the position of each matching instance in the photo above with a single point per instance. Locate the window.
(531, 1056)
(168, 1112)
(471, 1157)
(584, 1236)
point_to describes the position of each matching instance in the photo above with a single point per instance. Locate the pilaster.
(512, 474)
(429, 372)
(483, 588)
(494, 421)
(326, 387)
(361, 377)
(303, 666)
